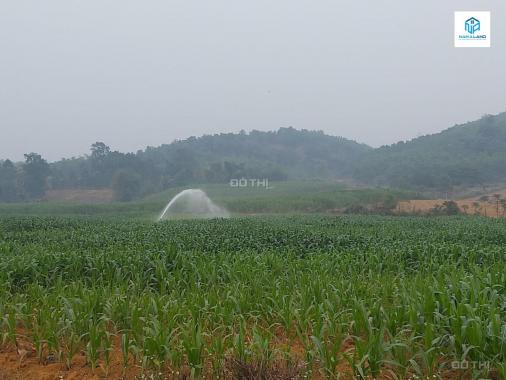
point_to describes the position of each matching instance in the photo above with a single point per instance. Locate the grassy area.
(310, 296)
(280, 197)
(143, 210)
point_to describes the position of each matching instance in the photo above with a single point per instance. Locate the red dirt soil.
(13, 367)
(467, 206)
(19, 362)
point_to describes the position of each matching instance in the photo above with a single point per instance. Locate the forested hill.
(284, 154)
(465, 155)
(470, 154)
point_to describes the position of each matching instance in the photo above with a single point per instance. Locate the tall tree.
(8, 182)
(35, 171)
(101, 172)
(99, 151)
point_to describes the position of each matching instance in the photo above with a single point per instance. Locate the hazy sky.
(138, 73)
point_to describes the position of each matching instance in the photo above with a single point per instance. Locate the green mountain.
(465, 155)
(468, 154)
(285, 153)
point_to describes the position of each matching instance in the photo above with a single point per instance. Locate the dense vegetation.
(259, 296)
(468, 155)
(287, 153)
(465, 155)
(280, 197)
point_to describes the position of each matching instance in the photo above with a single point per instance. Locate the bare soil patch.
(470, 206)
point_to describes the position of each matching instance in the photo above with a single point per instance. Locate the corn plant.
(391, 296)
(193, 344)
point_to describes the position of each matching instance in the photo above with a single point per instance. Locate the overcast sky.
(138, 73)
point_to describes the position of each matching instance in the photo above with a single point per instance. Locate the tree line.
(473, 154)
(129, 175)
(278, 155)
(26, 181)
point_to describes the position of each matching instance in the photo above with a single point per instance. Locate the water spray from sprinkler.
(192, 204)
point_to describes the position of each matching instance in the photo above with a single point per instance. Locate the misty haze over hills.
(473, 154)
(134, 75)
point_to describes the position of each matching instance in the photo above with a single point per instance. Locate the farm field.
(266, 297)
(281, 197)
(484, 205)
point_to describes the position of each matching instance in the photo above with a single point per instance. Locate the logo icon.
(472, 29)
(472, 25)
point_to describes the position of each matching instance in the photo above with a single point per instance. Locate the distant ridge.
(472, 154)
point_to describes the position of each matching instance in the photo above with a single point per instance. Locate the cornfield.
(355, 297)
